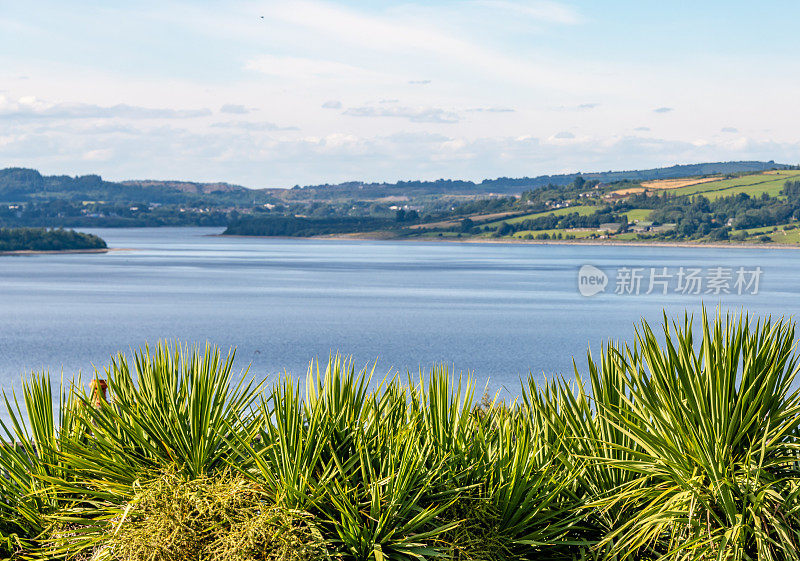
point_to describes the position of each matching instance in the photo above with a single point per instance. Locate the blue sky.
(271, 94)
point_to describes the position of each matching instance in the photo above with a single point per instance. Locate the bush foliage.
(678, 446)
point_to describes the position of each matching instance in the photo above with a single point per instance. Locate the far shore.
(371, 236)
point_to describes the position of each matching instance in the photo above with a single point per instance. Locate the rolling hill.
(21, 184)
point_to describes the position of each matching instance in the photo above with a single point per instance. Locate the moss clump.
(226, 518)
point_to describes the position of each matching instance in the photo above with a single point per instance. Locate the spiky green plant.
(177, 409)
(301, 437)
(670, 448)
(714, 425)
(350, 457)
(572, 422)
(379, 505)
(514, 499)
(30, 458)
(177, 406)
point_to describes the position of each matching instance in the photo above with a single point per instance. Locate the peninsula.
(44, 240)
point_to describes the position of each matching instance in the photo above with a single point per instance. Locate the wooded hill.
(22, 184)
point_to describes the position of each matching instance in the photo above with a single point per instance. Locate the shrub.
(714, 427)
(677, 448)
(225, 518)
(172, 406)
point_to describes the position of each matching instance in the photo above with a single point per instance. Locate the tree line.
(43, 239)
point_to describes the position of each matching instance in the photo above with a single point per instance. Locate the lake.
(497, 310)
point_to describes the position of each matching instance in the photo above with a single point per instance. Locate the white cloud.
(398, 34)
(33, 108)
(413, 114)
(417, 137)
(234, 109)
(663, 110)
(255, 126)
(98, 155)
(492, 110)
(466, 65)
(263, 160)
(579, 107)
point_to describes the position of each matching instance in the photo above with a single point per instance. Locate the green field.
(581, 210)
(770, 183)
(780, 236)
(753, 185)
(638, 214)
(792, 236)
(432, 235)
(553, 232)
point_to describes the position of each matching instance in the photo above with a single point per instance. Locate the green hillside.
(748, 208)
(581, 210)
(707, 203)
(755, 184)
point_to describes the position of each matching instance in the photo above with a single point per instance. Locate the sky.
(280, 93)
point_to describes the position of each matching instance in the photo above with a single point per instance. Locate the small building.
(663, 228)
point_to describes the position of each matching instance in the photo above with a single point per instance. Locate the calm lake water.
(498, 310)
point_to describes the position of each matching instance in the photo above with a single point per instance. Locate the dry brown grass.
(677, 183)
(661, 184)
(628, 191)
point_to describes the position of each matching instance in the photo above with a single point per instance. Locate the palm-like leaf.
(30, 457)
(715, 429)
(178, 407)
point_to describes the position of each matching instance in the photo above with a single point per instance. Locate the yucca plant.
(713, 425)
(177, 407)
(572, 422)
(301, 436)
(671, 448)
(30, 459)
(536, 510)
(380, 504)
(509, 495)
(349, 456)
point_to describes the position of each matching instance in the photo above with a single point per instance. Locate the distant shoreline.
(367, 237)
